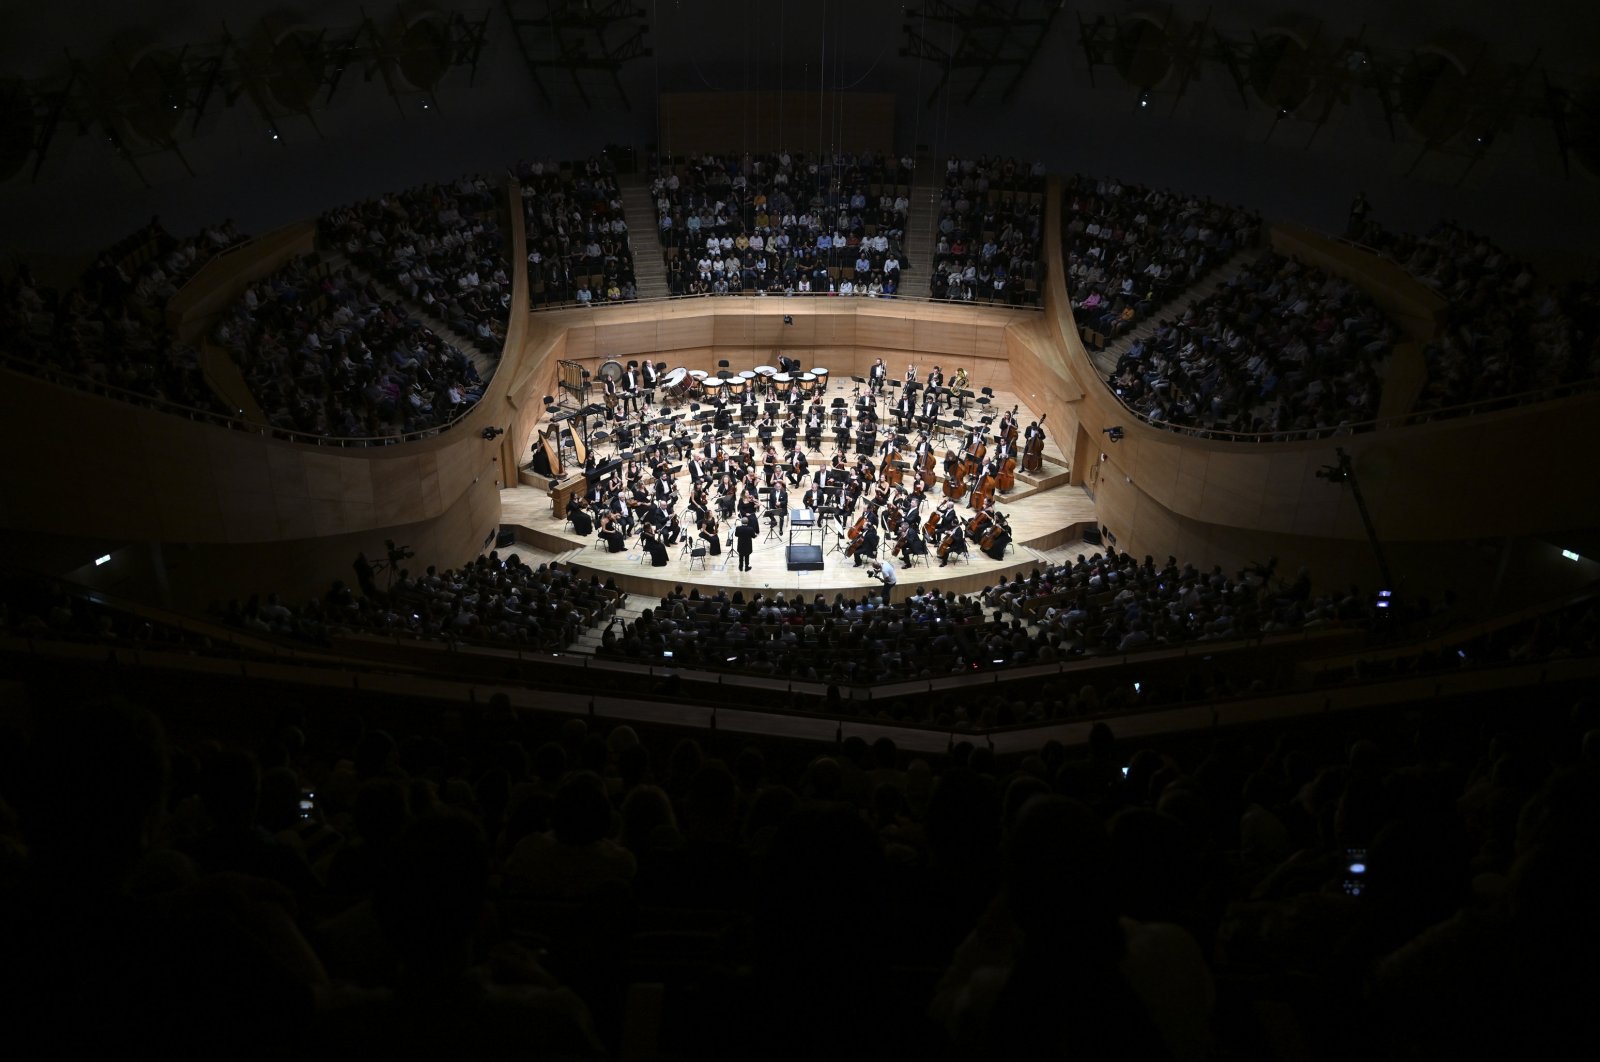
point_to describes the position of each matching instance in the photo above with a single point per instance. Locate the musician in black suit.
(867, 545)
(745, 536)
(814, 428)
(649, 376)
(930, 408)
(905, 409)
(779, 502)
(629, 386)
(876, 376)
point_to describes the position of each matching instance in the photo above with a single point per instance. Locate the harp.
(551, 451)
(579, 448)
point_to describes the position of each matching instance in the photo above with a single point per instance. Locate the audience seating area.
(1130, 249)
(303, 872)
(440, 246)
(325, 353)
(1506, 332)
(989, 239)
(1280, 348)
(782, 223)
(577, 235)
(490, 602)
(1098, 605)
(109, 333)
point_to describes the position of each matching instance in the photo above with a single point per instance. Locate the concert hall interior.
(690, 529)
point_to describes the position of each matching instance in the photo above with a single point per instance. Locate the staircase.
(649, 267)
(1105, 359)
(484, 363)
(926, 183)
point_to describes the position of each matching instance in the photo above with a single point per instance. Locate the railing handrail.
(1404, 420)
(1036, 307)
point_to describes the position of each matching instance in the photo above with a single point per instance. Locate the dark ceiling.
(1209, 137)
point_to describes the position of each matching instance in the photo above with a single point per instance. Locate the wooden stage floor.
(1044, 512)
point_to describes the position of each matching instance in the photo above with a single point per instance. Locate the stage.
(1044, 512)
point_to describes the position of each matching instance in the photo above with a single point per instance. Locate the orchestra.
(752, 438)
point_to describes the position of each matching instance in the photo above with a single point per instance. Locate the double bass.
(1008, 474)
(1033, 455)
(927, 474)
(892, 473)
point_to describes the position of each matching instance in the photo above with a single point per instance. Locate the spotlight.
(1144, 98)
(426, 103)
(788, 319)
(1333, 473)
(1115, 433)
(272, 132)
(493, 433)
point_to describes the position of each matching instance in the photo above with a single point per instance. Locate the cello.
(955, 484)
(1033, 455)
(997, 532)
(983, 493)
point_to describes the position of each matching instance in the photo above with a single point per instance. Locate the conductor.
(746, 535)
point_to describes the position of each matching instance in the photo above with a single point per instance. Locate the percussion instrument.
(808, 382)
(711, 387)
(734, 385)
(697, 379)
(783, 382)
(677, 382)
(822, 379)
(612, 370)
(766, 370)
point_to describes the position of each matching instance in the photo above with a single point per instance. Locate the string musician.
(996, 536)
(799, 468)
(710, 535)
(650, 541)
(611, 533)
(952, 541)
(582, 518)
(672, 534)
(876, 376)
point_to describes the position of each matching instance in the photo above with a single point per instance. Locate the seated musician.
(710, 538)
(611, 534)
(621, 512)
(912, 542)
(672, 534)
(778, 506)
(791, 432)
(952, 541)
(651, 541)
(582, 519)
(699, 505)
(1000, 539)
(798, 467)
(866, 546)
(724, 417)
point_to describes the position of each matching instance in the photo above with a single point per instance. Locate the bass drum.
(677, 382)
